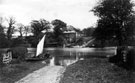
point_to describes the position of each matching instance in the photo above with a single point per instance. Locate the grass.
(96, 70)
(14, 72)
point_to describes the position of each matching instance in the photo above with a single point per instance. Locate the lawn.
(14, 72)
(96, 70)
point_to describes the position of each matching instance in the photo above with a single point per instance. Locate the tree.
(88, 31)
(11, 28)
(3, 40)
(59, 27)
(1, 26)
(27, 30)
(20, 29)
(114, 16)
(38, 26)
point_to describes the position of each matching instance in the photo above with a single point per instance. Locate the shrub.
(18, 41)
(1, 58)
(18, 53)
(4, 42)
(125, 57)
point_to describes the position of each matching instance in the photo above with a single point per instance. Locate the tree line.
(36, 29)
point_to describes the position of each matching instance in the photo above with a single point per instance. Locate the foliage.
(1, 29)
(50, 37)
(59, 27)
(3, 40)
(18, 41)
(27, 30)
(20, 29)
(38, 26)
(1, 62)
(114, 16)
(88, 31)
(10, 28)
(34, 40)
(19, 53)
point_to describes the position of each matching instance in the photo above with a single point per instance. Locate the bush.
(125, 57)
(19, 53)
(4, 43)
(1, 58)
(18, 41)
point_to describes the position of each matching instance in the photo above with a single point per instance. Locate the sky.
(73, 12)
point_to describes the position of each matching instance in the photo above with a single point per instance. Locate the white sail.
(40, 46)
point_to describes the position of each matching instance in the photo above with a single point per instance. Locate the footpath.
(47, 74)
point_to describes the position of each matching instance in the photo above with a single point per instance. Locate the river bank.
(14, 72)
(96, 70)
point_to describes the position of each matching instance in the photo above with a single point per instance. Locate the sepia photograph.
(67, 41)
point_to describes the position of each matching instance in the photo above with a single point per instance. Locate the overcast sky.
(72, 12)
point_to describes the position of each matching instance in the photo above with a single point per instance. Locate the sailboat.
(40, 46)
(39, 51)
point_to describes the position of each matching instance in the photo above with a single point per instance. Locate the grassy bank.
(14, 72)
(96, 70)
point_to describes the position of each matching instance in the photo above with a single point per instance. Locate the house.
(71, 34)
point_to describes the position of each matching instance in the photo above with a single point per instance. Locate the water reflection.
(67, 56)
(52, 63)
(63, 61)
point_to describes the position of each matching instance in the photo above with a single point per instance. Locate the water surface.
(67, 56)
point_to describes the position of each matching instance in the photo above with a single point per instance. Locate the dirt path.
(48, 74)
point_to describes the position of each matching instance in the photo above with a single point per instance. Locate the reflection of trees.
(66, 59)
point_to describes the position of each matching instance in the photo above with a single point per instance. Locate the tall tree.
(20, 29)
(38, 26)
(1, 26)
(114, 16)
(59, 27)
(10, 30)
(27, 30)
(3, 40)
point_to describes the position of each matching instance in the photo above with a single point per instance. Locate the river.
(67, 56)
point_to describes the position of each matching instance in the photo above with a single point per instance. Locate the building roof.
(69, 32)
